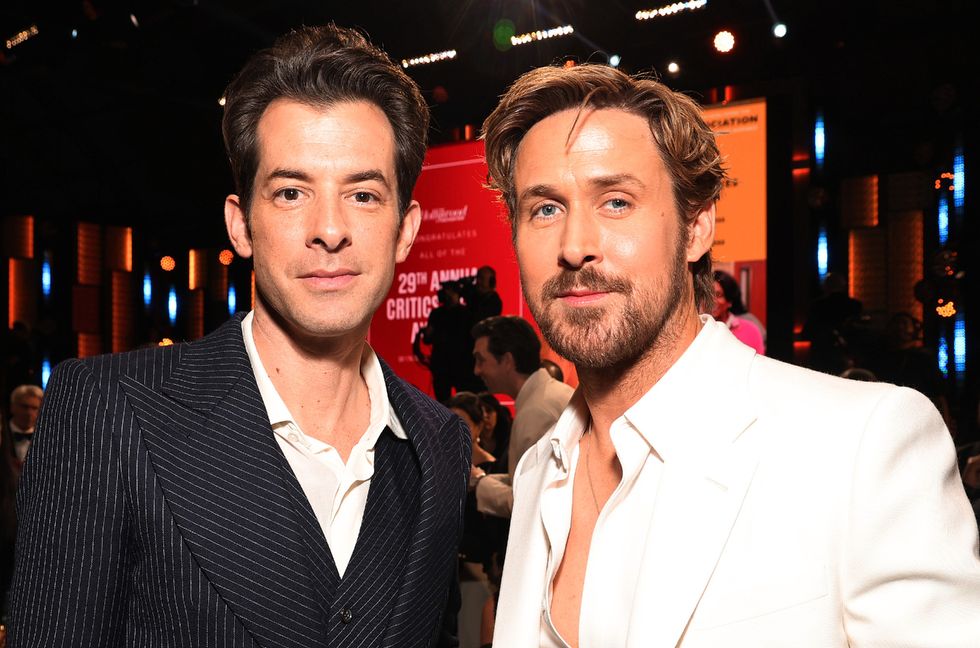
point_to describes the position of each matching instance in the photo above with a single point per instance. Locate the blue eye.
(549, 210)
(618, 204)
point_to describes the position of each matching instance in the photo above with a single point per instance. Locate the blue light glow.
(959, 345)
(147, 290)
(943, 218)
(232, 300)
(46, 277)
(959, 180)
(172, 306)
(45, 373)
(942, 355)
(819, 140)
(822, 253)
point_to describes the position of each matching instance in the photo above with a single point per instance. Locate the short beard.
(589, 337)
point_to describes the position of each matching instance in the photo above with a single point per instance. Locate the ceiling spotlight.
(221, 102)
(615, 60)
(779, 30)
(673, 67)
(724, 41)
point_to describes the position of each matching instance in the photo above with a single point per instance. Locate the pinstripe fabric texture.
(158, 510)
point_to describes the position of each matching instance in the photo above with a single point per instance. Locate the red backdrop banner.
(463, 228)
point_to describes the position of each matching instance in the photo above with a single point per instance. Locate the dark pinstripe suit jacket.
(158, 510)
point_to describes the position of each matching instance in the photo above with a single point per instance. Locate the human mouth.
(581, 297)
(329, 279)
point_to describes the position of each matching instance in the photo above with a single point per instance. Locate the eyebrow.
(600, 182)
(302, 176)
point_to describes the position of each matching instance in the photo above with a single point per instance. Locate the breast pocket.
(758, 596)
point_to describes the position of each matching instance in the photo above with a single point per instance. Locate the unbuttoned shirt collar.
(382, 413)
(656, 416)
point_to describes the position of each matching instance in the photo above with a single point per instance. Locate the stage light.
(942, 356)
(429, 58)
(221, 101)
(946, 308)
(959, 345)
(819, 140)
(172, 306)
(225, 257)
(22, 36)
(615, 60)
(232, 300)
(959, 180)
(943, 219)
(165, 342)
(541, 34)
(74, 33)
(724, 41)
(503, 31)
(132, 19)
(167, 263)
(673, 67)
(823, 253)
(45, 373)
(147, 290)
(779, 30)
(668, 10)
(46, 276)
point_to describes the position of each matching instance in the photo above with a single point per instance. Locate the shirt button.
(346, 616)
(293, 437)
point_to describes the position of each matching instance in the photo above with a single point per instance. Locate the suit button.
(346, 616)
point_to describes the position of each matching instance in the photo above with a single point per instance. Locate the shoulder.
(413, 407)
(146, 365)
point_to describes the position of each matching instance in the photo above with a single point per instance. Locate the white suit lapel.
(710, 454)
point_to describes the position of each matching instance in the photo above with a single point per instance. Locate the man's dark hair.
(321, 67)
(687, 145)
(514, 335)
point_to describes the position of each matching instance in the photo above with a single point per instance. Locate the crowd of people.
(275, 483)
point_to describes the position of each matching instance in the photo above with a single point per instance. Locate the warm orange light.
(569, 63)
(165, 342)
(946, 310)
(225, 257)
(167, 263)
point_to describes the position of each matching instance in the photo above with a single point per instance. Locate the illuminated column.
(18, 245)
(196, 282)
(119, 262)
(87, 293)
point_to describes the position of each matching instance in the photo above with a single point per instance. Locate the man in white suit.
(787, 509)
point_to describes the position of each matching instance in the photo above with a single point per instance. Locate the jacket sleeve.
(69, 577)
(910, 574)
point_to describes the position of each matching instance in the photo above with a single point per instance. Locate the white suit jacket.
(815, 512)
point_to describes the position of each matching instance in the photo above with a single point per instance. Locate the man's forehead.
(357, 131)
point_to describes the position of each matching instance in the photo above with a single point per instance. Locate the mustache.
(588, 278)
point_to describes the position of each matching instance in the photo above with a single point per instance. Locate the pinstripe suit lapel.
(230, 491)
(430, 558)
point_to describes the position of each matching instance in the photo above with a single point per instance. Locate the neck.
(518, 384)
(319, 380)
(610, 391)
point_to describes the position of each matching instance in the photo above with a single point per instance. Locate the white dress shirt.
(337, 491)
(620, 531)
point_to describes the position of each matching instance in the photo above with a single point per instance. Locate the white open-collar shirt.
(337, 491)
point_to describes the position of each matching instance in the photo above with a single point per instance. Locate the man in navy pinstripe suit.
(273, 484)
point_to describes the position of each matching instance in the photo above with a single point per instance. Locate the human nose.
(579, 240)
(329, 227)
